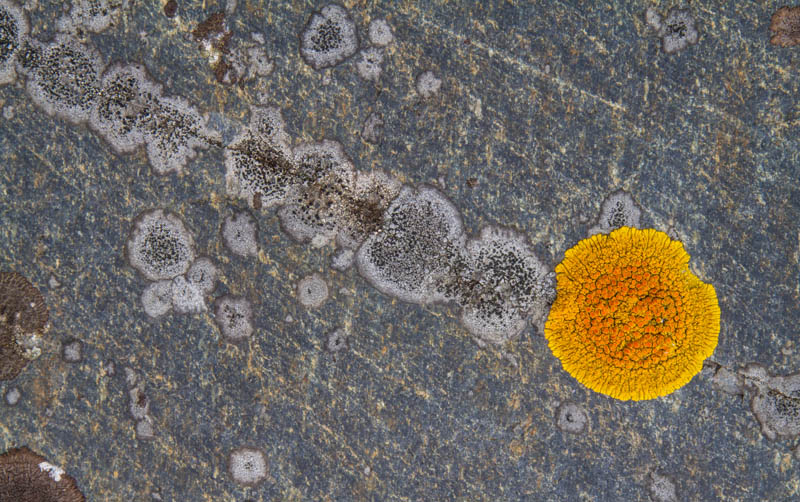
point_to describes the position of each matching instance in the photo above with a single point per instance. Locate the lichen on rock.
(630, 319)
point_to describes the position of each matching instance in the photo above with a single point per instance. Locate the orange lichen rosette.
(630, 319)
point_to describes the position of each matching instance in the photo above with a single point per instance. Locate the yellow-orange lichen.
(630, 319)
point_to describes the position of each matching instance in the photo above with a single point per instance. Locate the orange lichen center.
(630, 319)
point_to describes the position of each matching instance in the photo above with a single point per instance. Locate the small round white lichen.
(240, 233)
(380, 33)
(247, 466)
(428, 84)
(312, 291)
(234, 317)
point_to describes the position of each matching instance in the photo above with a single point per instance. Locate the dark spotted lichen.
(414, 250)
(510, 284)
(258, 162)
(618, 210)
(775, 402)
(97, 15)
(234, 318)
(677, 30)
(159, 246)
(13, 31)
(329, 37)
(63, 76)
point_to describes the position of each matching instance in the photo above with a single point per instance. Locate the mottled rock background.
(549, 108)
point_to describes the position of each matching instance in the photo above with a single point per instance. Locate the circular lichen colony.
(506, 284)
(420, 238)
(324, 175)
(173, 134)
(97, 15)
(329, 37)
(630, 319)
(159, 246)
(312, 291)
(240, 234)
(234, 317)
(130, 111)
(247, 466)
(157, 298)
(618, 210)
(380, 33)
(63, 76)
(572, 418)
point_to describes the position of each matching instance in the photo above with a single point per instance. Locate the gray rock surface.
(542, 113)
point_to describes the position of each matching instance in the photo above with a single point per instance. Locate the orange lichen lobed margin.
(630, 319)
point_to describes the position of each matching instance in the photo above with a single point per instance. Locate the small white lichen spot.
(72, 351)
(662, 488)
(618, 210)
(369, 66)
(571, 418)
(234, 317)
(240, 234)
(428, 84)
(187, 298)
(13, 396)
(653, 18)
(380, 33)
(157, 298)
(312, 291)
(53, 471)
(145, 429)
(260, 63)
(203, 274)
(247, 466)
(343, 260)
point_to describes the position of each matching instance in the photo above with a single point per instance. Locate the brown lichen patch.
(214, 38)
(631, 320)
(21, 303)
(23, 319)
(12, 361)
(212, 27)
(785, 27)
(171, 8)
(28, 477)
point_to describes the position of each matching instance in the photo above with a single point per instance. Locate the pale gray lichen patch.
(775, 402)
(312, 291)
(328, 38)
(618, 210)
